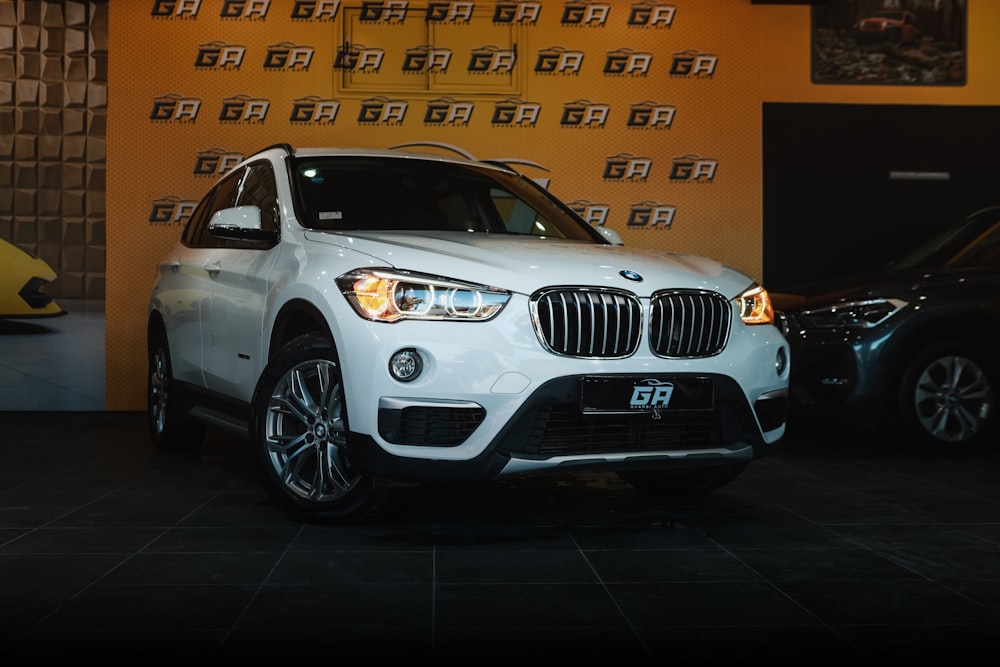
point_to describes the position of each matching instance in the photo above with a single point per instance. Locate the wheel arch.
(956, 324)
(296, 317)
(155, 324)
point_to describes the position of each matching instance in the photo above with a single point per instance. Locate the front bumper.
(549, 432)
(837, 376)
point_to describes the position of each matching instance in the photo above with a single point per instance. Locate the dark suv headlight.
(851, 314)
(388, 295)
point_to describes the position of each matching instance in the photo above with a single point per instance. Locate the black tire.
(683, 481)
(169, 429)
(948, 397)
(298, 435)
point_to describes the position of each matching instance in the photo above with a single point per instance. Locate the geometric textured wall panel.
(53, 122)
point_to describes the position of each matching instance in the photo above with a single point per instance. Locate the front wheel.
(299, 435)
(683, 481)
(948, 395)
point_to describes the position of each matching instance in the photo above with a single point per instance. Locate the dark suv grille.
(604, 323)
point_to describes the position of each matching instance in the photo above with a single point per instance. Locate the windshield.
(974, 242)
(363, 193)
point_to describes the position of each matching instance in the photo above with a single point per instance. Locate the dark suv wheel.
(948, 396)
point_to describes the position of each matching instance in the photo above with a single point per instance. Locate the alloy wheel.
(305, 433)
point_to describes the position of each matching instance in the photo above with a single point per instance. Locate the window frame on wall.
(462, 43)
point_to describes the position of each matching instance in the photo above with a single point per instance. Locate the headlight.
(852, 314)
(387, 295)
(755, 306)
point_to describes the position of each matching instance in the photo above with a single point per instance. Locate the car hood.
(524, 263)
(902, 283)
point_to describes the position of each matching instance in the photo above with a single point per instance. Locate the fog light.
(781, 361)
(406, 365)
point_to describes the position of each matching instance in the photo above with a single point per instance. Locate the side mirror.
(239, 223)
(611, 235)
(235, 218)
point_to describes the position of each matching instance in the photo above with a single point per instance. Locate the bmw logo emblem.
(630, 275)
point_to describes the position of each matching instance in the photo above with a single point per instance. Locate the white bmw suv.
(365, 317)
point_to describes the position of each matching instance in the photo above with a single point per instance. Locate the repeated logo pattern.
(381, 82)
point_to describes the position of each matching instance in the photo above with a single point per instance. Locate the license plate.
(644, 394)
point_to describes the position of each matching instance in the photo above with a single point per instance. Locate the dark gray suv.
(913, 346)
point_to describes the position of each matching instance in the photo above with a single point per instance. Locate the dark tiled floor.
(830, 549)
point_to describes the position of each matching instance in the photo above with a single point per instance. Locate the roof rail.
(284, 146)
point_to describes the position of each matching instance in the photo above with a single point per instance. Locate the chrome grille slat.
(552, 325)
(682, 326)
(604, 334)
(592, 322)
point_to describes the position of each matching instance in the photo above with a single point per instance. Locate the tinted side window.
(196, 230)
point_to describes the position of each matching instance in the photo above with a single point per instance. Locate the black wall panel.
(846, 186)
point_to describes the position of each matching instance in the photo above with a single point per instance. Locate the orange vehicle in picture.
(889, 25)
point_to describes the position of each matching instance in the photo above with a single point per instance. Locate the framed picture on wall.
(889, 42)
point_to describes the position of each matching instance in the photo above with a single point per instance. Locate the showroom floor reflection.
(54, 363)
